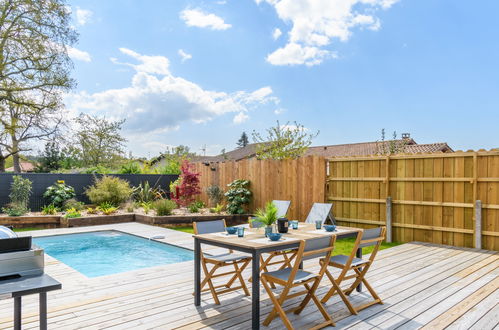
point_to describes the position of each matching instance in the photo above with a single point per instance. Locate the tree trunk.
(15, 155)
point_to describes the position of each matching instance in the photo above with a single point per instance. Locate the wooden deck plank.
(467, 319)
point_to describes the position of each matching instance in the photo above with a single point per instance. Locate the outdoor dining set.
(309, 240)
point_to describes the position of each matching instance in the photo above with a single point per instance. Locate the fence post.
(478, 224)
(388, 219)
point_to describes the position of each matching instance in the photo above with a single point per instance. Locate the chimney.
(406, 136)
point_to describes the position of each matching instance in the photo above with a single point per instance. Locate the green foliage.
(72, 213)
(107, 208)
(194, 207)
(172, 159)
(217, 209)
(215, 194)
(50, 209)
(109, 189)
(146, 206)
(145, 193)
(243, 141)
(91, 210)
(14, 210)
(58, 193)
(238, 196)
(130, 168)
(130, 208)
(283, 142)
(391, 147)
(164, 206)
(267, 216)
(20, 190)
(50, 159)
(73, 204)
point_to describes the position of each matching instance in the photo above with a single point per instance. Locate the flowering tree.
(189, 185)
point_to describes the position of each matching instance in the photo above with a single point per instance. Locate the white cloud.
(276, 34)
(83, 16)
(317, 23)
(196, 17)
(79, 55)
(157, 101)
(279, 111)
(185, 56)
(240, 118)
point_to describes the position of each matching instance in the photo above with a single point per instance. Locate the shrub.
(164, 206)
(130, 168)
(146, 206)
(189, 185)
(58, 193)
(20, 190)
(14, 210)
(238, 196)
(194, 207)
(73, 204)
(108, 208)
(72, 213)
(50, 209)
(91, 210)
(217, 209)
(145, 193)
(109, 189)
(215, 194)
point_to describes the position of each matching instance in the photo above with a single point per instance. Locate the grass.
(343, 246)
(27, 229)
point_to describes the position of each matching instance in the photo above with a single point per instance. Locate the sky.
(199, 73)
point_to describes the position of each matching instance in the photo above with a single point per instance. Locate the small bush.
(238, 196)
(50, 209)
(91, 210)
(109, 189)
(20, 190)
(58, 193)
(73, 204)
(72, 213)
(130, 168)
(194, 207)
(108, 208)
(14, 210)
(217, 209)
(164, 207)
(145, 193)
(215, 194)
(146, 206)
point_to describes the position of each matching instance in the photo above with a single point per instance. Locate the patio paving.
(422, 285)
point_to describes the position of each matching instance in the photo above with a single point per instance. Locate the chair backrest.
(255, 223)
(371, 237)
(319, 211)
(282, 207)
(208, 227)
(318, 247)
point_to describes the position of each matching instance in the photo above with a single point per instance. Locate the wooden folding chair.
(370, 237)
(238, 261)
(292, 277)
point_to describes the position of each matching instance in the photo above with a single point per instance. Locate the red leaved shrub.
(189, 185)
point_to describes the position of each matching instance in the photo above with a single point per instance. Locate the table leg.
(197, 272)
(17, 313)
(359, 255)
(255, 291)
(43, 310)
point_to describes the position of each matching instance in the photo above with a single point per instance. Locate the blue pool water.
(109, 252)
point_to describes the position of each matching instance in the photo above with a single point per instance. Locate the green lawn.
(27, 229)
(343, 246)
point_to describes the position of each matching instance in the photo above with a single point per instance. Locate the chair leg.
(325, 314)
(331, 291)
(209, 281)
(336, 288)
(277, 305)
(240, 276)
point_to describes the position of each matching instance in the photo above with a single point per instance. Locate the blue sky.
(346, 68)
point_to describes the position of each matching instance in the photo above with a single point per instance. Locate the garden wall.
(78, 181)
(302, 181)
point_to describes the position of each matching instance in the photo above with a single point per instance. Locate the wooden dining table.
(255, 243)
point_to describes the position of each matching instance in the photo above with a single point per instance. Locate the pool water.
(110, 252)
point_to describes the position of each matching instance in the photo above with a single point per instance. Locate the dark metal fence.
(40, 182)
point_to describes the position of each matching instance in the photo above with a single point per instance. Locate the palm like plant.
(267, 216)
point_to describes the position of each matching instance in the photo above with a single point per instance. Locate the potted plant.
(266, 217)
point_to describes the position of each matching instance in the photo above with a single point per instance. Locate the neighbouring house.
(26, 167)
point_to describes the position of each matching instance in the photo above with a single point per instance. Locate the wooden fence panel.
(302, 181)
(433, 195)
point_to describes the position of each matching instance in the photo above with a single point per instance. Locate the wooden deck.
(422, 285)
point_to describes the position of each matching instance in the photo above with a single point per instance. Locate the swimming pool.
(110, 252)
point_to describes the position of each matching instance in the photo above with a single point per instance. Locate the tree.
(99, 140)
(283, 142)
(34, 71)
(172, 159)
(50, 159)
(189, 185)
(243, 140)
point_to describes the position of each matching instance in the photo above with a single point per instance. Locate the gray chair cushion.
(317, 244)
(370, 234)
(342, 260)
(6, 233)
(208, 227)
(283, 274)
(282, 207)
(227, 257)
(319, 211)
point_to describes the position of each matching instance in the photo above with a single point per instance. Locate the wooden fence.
(440, 198)
(302, 181)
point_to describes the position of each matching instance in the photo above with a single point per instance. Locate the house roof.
(337, 150)
(25, 167)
